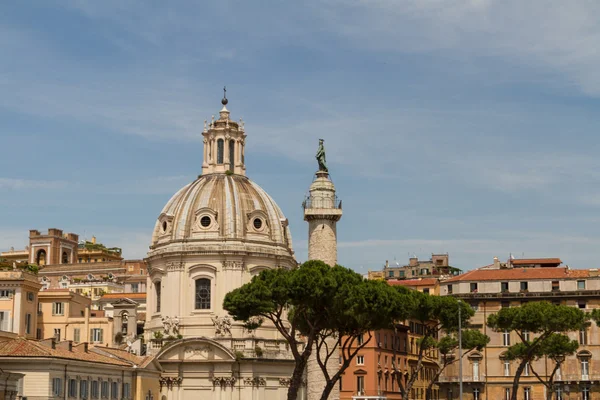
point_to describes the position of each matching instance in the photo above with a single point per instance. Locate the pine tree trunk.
(327, 390)
(515, 387)
(296, 380)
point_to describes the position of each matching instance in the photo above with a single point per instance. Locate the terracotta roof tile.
(123, 296)
(123, 354)
(22, 347)
(413, 282)
(520, 274)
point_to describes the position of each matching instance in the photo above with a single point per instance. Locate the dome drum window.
(206, 220)
(257, 222)
(165, 222)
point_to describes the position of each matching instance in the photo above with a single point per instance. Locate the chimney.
(387, 264)
(65, 345)
(93, 239)
(85, 347)
(51, 343)
(496, 263)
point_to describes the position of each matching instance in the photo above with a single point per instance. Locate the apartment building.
(488, 375)
(371, 374)
(18, 301)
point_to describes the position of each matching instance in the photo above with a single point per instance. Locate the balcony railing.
(321, 202)
(369, 395)
(521, 294)
(577, 378)
(466, 378)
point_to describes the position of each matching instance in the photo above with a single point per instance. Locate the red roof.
(124, 296)
(528, 261)
(413, 282)
(520, 274)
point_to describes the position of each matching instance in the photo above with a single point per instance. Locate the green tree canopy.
(541, 328)
(320, 303)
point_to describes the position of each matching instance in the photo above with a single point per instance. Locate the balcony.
(466, 378)
(369, 395)
(578, 378)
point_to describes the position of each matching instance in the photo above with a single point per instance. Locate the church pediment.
(195, 349)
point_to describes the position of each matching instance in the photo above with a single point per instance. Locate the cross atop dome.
(224, 144)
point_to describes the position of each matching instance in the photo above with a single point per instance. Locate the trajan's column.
(322, 211)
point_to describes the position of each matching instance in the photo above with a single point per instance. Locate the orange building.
(371, 374)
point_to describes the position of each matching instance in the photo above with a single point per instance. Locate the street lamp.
(460, 372)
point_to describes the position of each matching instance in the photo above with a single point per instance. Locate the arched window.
(157, 289)
(203, 294)
(41, 257)
(220, 148)
(231, 154)
(124, 320)
(65, 257)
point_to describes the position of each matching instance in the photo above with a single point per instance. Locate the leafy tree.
(330, 307)
(471, 340)
(540, 327)
(437, 315)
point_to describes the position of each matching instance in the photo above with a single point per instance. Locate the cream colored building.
(18, 302)
(65, 315)
(211, 237)
(488, 375)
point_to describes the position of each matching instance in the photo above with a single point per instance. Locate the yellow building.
(18, 301)
(92, 251)
(488, 375)
(65, 315)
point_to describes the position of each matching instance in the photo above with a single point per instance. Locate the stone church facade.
(211, 237)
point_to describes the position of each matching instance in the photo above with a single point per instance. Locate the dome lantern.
(224, 144)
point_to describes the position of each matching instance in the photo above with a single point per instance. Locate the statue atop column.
(321, 157)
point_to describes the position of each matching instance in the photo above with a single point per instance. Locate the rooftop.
(520, 274)
(123, 295)
(413, 282)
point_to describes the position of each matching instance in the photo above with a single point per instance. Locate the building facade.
(488, 375)
(211, 237)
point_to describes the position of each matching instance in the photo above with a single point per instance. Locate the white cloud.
(27, 184)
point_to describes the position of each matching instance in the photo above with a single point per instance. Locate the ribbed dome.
(222, 207)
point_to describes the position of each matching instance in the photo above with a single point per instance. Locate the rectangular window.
(38, 334)
(114, 390)
(555, 286)
(506, 338)
(72, 388)
(581, 304)
(158, 290)
(475, 370)
(6, 294)
(475, 305)
(104, 390)
(96, 335)
(475, 393)
(57, 333)
(525, 334)
(506, 393)
(526, 370)
(401, 274)
(473, 287)
(390, 274)
(450, 289)
(360, 360)
(56, 387)
(359, 340)
(504, 287)
(83, 389)
(58, 308)
(28, 324)
(506, 367)
(39, 309)
(583, 339)
(94, 389)
(135, 287)
(580, 285)
(524, 286)
(505, 304)
(585, 393)
(126, 391)
(558, 393)
(76, 335)
(360, 384)
(585, 369)
(527, 393)
(426, 291)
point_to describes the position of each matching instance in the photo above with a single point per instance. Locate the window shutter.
(53, 308)
(91, 335)
(100, 338)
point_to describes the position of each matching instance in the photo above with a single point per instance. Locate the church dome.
(223, 207)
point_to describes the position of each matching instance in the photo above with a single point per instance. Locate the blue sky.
(468, 127)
